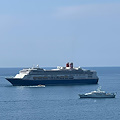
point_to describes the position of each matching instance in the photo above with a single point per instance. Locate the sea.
(60, 102)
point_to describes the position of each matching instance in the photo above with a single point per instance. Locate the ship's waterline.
(21, 82)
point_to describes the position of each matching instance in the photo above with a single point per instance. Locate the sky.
(53, 32)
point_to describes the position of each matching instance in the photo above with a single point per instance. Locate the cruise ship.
(68, 75)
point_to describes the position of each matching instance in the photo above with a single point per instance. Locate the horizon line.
(56, 66)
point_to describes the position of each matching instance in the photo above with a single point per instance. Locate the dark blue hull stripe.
(20, 82)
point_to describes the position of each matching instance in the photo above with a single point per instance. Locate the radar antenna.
(37, 66)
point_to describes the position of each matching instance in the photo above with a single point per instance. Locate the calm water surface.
(59, 102)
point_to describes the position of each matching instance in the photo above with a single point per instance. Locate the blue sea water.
(59, 102)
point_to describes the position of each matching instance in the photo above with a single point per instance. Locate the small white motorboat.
(98, 94)
(41, 85)
(36, 86)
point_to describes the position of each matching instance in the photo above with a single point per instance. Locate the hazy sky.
(53, 32)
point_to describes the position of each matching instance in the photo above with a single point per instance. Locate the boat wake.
(36, 86)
